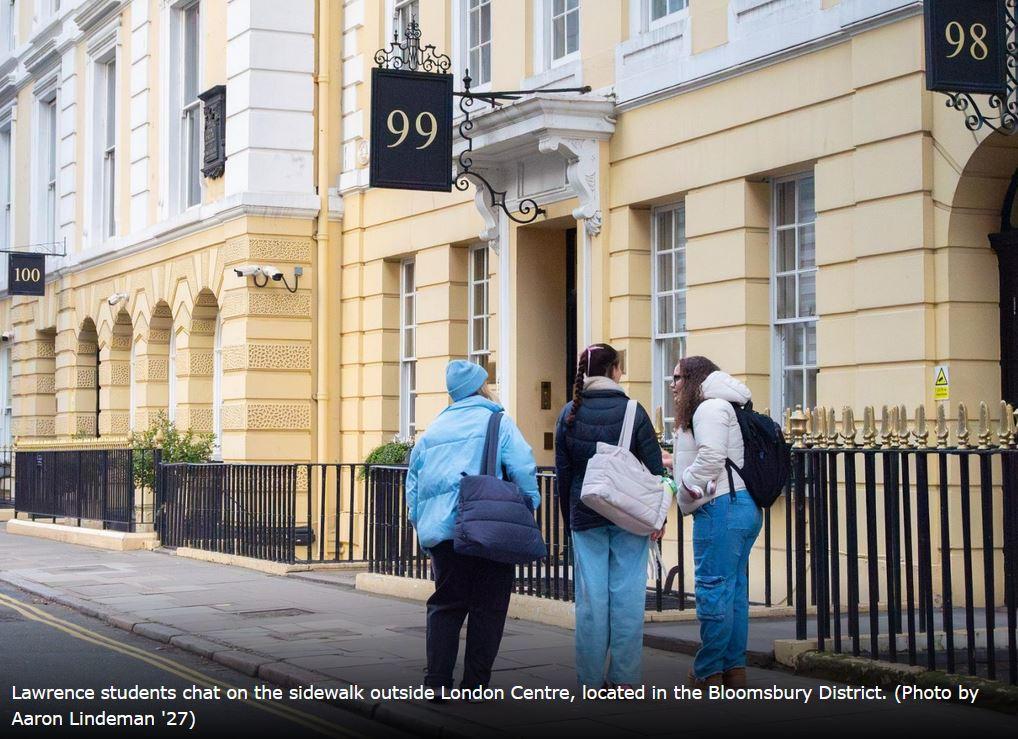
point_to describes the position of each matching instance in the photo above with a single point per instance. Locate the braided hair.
(597, 360)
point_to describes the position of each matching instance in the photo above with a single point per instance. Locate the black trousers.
(465, 586)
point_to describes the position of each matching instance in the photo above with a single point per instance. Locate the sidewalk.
(297, 630)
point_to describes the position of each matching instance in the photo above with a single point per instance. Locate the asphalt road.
(48, 646)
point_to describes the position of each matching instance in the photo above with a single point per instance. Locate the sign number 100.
(399, 125)
(27, 274)
(955, 34)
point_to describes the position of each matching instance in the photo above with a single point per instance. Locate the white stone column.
(270, 96)
(141, 126)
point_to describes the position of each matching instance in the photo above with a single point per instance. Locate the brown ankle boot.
(694, 682)
(735, 677)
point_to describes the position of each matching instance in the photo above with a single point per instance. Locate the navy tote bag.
(494, 519)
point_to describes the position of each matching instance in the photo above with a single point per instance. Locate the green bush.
(176, 445)
(396, 451)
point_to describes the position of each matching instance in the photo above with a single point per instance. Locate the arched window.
(217, 388)
(171, 398)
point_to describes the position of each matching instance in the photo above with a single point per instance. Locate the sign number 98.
(402, 128)
(955, 34)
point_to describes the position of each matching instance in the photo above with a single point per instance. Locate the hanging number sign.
(26, 274)
(965, 46)
(411, 130)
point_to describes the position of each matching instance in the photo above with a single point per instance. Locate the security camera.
(117, 298)
(6, 335)
(272, 273)
(248, 270)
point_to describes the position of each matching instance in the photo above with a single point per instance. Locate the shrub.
(396, 451)
(176, 445)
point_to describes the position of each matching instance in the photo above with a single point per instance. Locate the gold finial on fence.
(848, 430)
(869, 428)
(985, 435)
(832, 429)
(1004, 427)
(904, 434)
(808, 438)
(886, 428)
(922, 433)
(963, 426)
(787, 423)
(797, 426)
(942, 431)
(820, 415)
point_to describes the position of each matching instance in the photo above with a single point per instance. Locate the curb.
(418, 720)
(754, 658)
(993, 696)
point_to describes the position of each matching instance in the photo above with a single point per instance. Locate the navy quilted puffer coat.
(599, 419)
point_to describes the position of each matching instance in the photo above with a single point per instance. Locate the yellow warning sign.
(941, 383)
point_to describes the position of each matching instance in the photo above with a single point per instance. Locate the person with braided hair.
(610, 563)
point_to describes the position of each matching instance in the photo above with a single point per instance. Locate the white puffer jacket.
(699, 456)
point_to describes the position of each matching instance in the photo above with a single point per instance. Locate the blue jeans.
(723, 534)
(611, 585)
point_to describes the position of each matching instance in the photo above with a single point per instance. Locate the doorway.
(546, 331)
(1005, 244)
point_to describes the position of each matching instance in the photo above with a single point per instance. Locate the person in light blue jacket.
(451, 447)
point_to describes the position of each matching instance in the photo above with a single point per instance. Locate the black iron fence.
(98, 486)
(6, 477)
(913, 554)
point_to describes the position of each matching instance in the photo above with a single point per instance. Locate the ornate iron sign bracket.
(409, 55)
(999, 110)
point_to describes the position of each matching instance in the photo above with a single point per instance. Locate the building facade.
(765, 182)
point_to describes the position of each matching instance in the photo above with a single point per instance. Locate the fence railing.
(105, 487)
(913, 554)
(6, 477)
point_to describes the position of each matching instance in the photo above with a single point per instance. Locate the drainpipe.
(322, 235)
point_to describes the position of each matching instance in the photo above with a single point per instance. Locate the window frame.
(652, 23)
(479, 355)
(6, 401)
(661, 366)
(468, 8)
(6, 180)
(398, 17)
(46, 169)
(778, 366)
(549, 34)
(180, 136)
(407, 362)
(103, 144)
(9, 19)
(189, 152)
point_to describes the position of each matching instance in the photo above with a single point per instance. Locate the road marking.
(167, 665)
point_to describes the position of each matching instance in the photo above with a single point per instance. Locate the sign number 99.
(399, 125)
(955, 34)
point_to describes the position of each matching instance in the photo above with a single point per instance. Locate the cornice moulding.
(95, 13)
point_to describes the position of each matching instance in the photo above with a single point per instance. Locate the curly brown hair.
(694, 371)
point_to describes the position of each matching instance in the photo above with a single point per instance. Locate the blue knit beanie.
(463, 378)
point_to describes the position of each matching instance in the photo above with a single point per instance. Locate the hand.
(666, 458)
(659, 534)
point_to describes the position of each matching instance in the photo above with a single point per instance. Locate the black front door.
(1006, 247)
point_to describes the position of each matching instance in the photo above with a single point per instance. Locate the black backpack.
(768, 457)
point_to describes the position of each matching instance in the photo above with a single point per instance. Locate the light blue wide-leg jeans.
(724, 531)
(611, 583)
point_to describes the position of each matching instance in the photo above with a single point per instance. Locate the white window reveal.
(5, 396)
(47, 228)
(480, 317)
(104, 159)
(187, 134)
(565, 28)
(794, 304)
(668, 303)
(479, 41)
(217, 388)
(408, 351)
(171, 378)
(8, 23)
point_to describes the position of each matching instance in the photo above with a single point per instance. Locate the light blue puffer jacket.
(453, 444)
